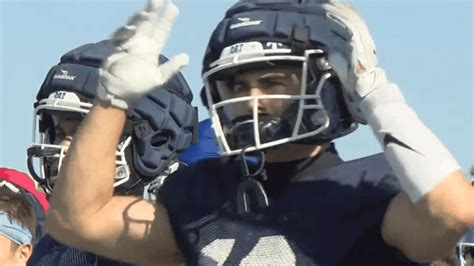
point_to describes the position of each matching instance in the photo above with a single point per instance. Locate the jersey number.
(270, 250)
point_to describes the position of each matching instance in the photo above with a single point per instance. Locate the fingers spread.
(123, 35)
(163, 25)
(147, 31)
(154, 6)
(173, 66)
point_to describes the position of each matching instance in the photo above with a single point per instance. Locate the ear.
(23, 253)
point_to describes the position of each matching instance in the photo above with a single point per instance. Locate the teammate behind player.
(159, 126)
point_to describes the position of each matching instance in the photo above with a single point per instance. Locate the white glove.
(418, 158)
(133, 69)
(355, 61)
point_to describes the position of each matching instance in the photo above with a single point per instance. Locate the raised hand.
(351, 54)
(133, 69)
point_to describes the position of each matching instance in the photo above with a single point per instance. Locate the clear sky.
(426, 47)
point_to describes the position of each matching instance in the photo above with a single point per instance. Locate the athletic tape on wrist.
(418, 158)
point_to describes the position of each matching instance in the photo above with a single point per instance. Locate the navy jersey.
(321, 212)
(49, 252)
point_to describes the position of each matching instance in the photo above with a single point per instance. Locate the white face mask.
(466, 253)
(273, 116)
(45, 157)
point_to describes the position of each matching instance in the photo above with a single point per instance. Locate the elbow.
(419, 258)
(416, 251)
(430, 255)
(427, 257)
(65, 228)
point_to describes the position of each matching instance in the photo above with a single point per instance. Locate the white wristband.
(418, 158)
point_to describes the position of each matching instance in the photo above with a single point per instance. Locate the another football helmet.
(465, 249)
(260, 35)
(158, 127)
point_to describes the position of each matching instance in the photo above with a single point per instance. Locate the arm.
(428, 218)
(436, 208)
(431, 227)
(84, 213)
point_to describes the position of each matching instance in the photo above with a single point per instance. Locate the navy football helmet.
(260, 35)
(158, 127)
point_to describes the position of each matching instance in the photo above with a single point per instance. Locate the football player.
(159, 126)
(282, 79)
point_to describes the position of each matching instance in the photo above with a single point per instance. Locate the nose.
(256, 91)
(65, 142)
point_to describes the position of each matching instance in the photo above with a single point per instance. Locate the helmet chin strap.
(250, 192)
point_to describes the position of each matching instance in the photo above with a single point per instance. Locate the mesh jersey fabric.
(319, 213)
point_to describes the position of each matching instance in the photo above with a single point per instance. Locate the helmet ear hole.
(159, 140)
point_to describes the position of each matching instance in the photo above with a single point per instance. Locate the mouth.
(270, 128)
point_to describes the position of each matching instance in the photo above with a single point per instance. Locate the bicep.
(130, 229)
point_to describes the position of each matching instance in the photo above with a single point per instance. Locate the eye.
(238, 88)
(59, 135)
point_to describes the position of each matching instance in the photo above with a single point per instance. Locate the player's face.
(280, 80)
(64, 129)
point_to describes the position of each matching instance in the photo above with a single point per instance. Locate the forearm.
(427, 171)
(85, 214)
(89, 163)
(439, 206)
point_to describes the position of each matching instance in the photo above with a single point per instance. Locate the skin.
(131, 229)
(260, 82)
(12, 254)
(64, 130)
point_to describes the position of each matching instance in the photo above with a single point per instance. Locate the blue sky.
(426, 47)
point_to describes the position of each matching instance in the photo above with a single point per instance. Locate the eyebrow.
(67, 121)
(272, 75)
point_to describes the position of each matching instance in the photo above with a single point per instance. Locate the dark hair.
(19, 208)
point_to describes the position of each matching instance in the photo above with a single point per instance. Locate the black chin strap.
(250, 192)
